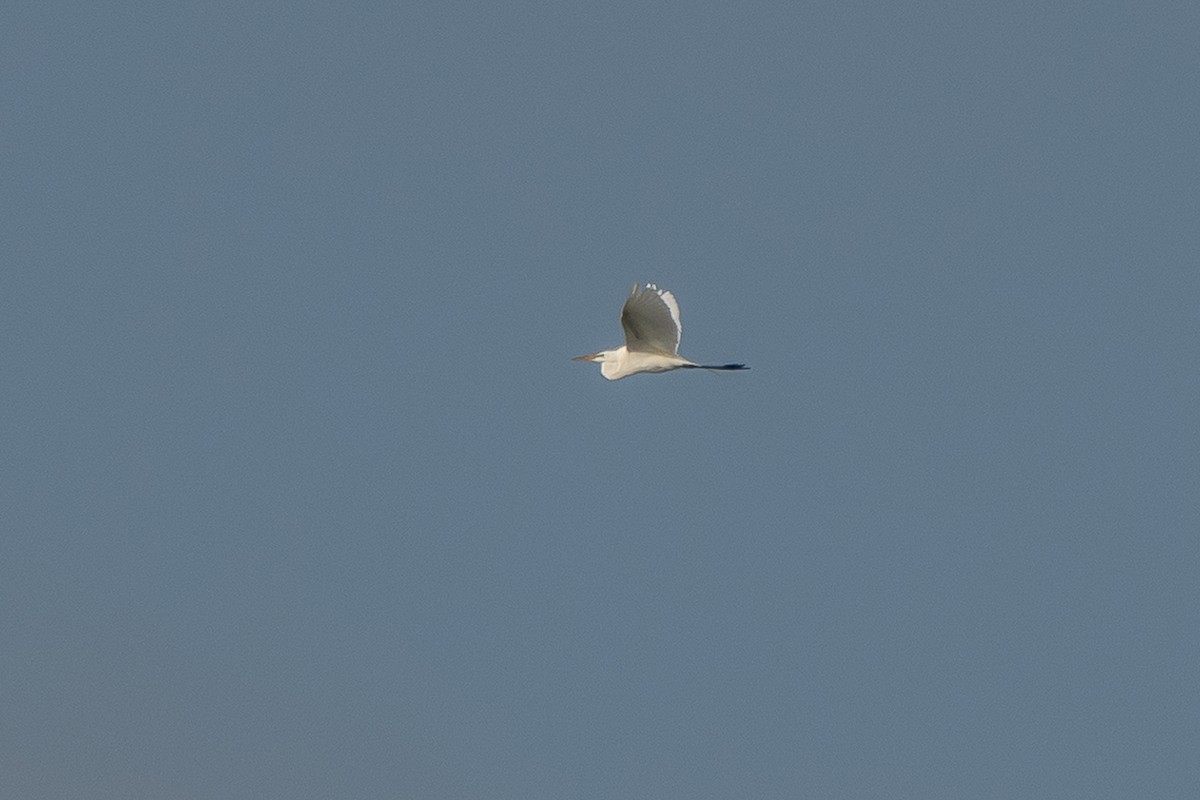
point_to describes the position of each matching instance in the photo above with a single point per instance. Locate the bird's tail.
(715, 366)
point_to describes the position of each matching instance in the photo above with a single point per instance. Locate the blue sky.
(302, 495)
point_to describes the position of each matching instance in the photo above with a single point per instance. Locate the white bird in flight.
(650, 318)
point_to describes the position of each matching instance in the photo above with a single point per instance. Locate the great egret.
(650, 318)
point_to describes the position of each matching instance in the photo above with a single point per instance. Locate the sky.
(301, 495)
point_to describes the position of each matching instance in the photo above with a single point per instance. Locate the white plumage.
(650, 318)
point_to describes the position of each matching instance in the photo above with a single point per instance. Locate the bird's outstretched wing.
(650, 318)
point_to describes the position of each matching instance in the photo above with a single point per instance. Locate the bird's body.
(650, 318)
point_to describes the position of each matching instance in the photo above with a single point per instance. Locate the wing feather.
(650, 318)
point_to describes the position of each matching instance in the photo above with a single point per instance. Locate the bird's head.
(611, 362)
